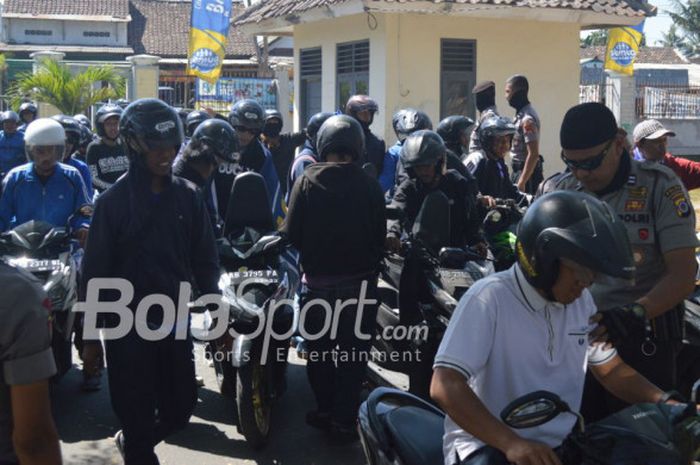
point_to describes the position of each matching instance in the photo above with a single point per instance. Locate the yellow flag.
(623, 47)
(208, 33)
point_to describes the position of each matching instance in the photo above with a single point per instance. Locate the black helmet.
(219, 136)
(83, 120)
(86, 136)
(495, 126)
(148, 124)
(358, 103)
(314, 124)
(248, 114)
(273, 123)
(28, 106)
(340, 133)
(575, 226)
(9, 115)
(423, 148)
(452, 128)
(105, 112)
(122, 102)
(194, 119)
(72, 128)
(408, 120)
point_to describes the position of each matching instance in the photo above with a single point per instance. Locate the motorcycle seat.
(416, 435)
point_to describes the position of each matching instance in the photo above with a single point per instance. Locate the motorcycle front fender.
(241, 351)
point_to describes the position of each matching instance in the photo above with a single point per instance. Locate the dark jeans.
(659, 368)
(145, 378)
(537, 175)
(487, 455)
(336, 366)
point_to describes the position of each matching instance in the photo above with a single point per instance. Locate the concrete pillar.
(284, 94)
(144, 78)
(45, 109)
(621, 98)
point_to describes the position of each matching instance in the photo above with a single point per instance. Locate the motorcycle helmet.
(83, 120)
(314, 124)
(122, 103)
(358, 103)
(452, 128)
(342, 134)
(495, 126)
(105, 112)
(247, 114)
(194, 119)
(150, 124)
(9, 115)
(575, 226)
(86, 136)
(28, 106)
(44, 132)
(219, 136)
(273, 123)
(423, 148)
(72, 128)
(408, 120)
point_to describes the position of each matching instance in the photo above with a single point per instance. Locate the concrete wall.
(405, 63)
(687, 140)
(65, 32)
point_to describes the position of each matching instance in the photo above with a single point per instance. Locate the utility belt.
(669, 326)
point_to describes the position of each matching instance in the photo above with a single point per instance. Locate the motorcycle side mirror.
(453, 257)
(432, 225)
(370, 170)
(534, 409)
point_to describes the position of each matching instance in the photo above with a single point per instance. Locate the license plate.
(456, 278)
(31, 264)
(254, 276)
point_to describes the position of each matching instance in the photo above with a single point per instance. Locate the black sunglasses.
(590, 163)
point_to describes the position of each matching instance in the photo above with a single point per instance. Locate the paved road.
(86, 424)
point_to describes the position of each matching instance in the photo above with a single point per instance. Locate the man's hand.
(487, 201)
(523, 452)
(521, 185)
(392, 243)
(620, 324)
(482, 249)
(82, 234)
(93, 358)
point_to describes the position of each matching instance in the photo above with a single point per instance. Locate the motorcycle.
(397, 428)
(418, 292)
(500, 227)
(689, 357)
(51, 255)
(255, 275)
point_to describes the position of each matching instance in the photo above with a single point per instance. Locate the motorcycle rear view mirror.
(534, 409)
(453, 258)
(432, 225)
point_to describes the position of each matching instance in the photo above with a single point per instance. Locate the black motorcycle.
(255, 275)
(500, 226)
(398, 428)
(418, 292)
(51, 255)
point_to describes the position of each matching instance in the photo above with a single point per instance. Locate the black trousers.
(537, 175)
(336, 367)
(153, 391)
(487, 455)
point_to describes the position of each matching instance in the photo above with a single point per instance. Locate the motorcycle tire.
(225, 375)
(253, 403)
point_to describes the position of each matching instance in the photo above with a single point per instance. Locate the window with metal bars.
(457, 77)
(310, 83)
(352, 70)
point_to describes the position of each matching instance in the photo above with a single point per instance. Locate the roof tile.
(114, 8)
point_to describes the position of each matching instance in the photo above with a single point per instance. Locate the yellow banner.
(208, 33)
(622, 49)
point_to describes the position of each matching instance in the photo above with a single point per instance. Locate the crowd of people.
(160, 181)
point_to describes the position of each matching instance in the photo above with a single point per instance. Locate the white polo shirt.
(507, 340)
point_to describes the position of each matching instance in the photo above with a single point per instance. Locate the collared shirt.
(658, 216)
(25, 343)
(507, 341)
(527, 125)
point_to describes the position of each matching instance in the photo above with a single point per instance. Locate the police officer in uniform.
(652, 202)
(527, 162)
(485, 99)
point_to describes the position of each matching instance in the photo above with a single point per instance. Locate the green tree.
(685, 31)
(671, 38)
(596, 38)
(54, 83)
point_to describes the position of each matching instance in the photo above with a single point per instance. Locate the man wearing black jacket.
(151, 229)
(363, 108)
(282, 147)
(337, 221)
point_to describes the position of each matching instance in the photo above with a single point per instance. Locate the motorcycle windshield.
(34, 238)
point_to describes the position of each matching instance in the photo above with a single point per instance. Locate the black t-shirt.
(252, 158)
(283, 155)
(107, 163)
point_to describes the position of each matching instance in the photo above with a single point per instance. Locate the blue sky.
(655, 27)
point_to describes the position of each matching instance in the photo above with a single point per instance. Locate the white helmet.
(45, 132)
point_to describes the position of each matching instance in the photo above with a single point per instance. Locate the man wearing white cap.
(651, 141)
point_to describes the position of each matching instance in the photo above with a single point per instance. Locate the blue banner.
(208, 33)
(220, 96)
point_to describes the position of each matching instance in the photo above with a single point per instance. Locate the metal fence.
(670, 102)
(176, 88)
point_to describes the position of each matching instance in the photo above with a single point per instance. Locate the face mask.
(518, 100)
(272, 130)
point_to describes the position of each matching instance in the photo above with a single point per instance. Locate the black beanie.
(587, 125)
